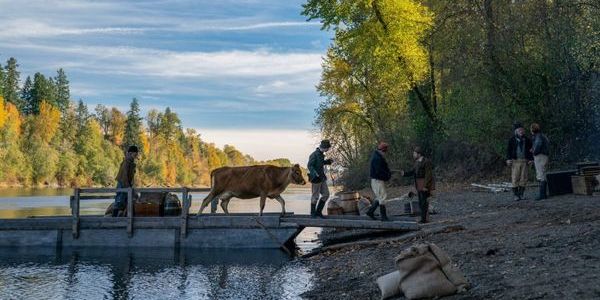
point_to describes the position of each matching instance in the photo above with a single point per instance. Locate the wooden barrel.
(172, 206)
(349, 202)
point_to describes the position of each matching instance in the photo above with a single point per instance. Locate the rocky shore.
(529, 249)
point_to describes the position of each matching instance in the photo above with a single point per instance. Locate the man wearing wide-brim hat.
(316, 175)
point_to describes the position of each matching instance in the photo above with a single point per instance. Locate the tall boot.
(516, 194)
(545, 190)
(319, 209)
(542, 192)
(372, 209)
(383, 213)
(522, 193)
(424, 206)
(313, 207)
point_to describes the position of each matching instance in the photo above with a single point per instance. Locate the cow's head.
(296, 175)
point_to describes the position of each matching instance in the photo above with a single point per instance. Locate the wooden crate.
(582, 185)
(146, 209)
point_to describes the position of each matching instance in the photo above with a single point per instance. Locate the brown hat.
(383, 146)
(418, 150)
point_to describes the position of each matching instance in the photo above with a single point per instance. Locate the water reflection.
(150, 274)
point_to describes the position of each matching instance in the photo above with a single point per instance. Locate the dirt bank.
(508, 250)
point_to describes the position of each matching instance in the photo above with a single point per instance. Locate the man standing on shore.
(540, 151)
(316, 175)
(380, 174)
(125, 179)
(423, 174)
(519, 158)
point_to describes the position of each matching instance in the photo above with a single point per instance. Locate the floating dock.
(186, 231)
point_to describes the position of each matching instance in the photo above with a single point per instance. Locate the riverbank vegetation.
(452, 76)
(46, 139)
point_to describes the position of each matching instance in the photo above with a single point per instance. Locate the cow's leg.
(263, 199)
(205, 202)
(225, 201)
(282, 202)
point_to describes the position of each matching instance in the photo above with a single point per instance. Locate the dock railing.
(83, 194)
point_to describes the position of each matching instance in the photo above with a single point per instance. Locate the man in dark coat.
(125, 179)
(424, 184)
(316, 175)
(380, 174)
(519, 158)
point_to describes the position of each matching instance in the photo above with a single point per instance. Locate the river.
(94, 273)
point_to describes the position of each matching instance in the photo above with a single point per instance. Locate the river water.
(91, 273)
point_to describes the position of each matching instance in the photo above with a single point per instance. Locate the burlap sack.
(421, 275)
(389, 285)
(452, 272)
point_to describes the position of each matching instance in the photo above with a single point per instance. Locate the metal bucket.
(172, 206)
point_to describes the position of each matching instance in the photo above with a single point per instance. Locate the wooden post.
(75, 214)
(130, 212)
(185, 209)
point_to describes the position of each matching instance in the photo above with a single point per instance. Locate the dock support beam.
(75, 214)
(130, 212)
(185, 210)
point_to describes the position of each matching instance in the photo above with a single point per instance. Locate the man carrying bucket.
(125, 179)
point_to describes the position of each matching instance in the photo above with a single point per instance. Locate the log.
(347, 223)
(403, 238)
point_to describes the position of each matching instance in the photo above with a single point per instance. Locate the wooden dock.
(244, 230)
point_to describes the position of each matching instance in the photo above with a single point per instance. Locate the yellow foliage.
(3, 113)
(145, 144)
(47, 121)
(13, 119)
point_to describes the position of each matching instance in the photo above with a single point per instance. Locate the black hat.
(517, 125)
(133, 148)
(325, 144)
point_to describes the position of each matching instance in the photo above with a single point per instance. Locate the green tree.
(26, 97)
(2, 80)
(43, 89)
(11, 82)
(133, 125)
(63, 94)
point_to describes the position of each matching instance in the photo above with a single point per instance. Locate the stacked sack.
(424, 271)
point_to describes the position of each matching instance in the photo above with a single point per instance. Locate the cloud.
(23, 28)
(164, 63)
(31, 28)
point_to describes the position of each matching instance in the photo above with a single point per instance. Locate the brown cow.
(251, 182)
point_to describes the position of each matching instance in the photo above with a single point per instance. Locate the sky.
(240, 72)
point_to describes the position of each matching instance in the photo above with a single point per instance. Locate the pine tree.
(43, 90)
(82, 114)
(63, 95)
(26, 96)
(11, 82)
(133, 126)
(2, 78)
